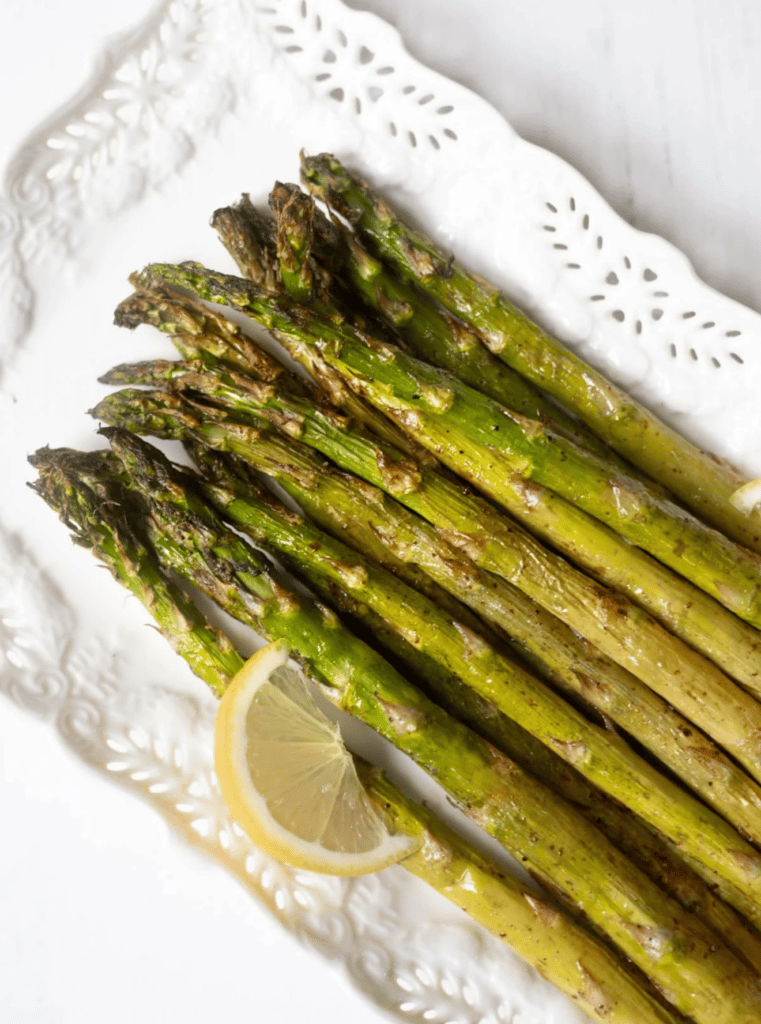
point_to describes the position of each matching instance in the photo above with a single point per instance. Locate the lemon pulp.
(288, 779)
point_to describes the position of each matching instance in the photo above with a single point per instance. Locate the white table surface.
(103, 914)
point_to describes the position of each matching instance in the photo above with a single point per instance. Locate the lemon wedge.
(289, 781)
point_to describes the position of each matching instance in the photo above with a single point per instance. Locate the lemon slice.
(289, 781)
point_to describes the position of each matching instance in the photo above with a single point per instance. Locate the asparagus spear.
(702, 481)
(457, 870)
(547, 939)
(477, 533)
(563, 952)
(719, 707)
(494, 447)
(294, 217)
(674, 949)
(641, 844)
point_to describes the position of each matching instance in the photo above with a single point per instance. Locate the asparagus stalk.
(548, 940)
(720, 707)
(641, 844)
(198, 333)
(702, 481)
(294, 216)
(494, 447)
(675, 950)
(562, 951)
(429, 330)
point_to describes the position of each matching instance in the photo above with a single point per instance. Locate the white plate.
(200, 102)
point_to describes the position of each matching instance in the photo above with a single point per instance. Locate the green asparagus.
(489, 788)
(547, 939)
(565, 953)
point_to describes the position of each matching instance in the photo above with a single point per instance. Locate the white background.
(656, 101)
